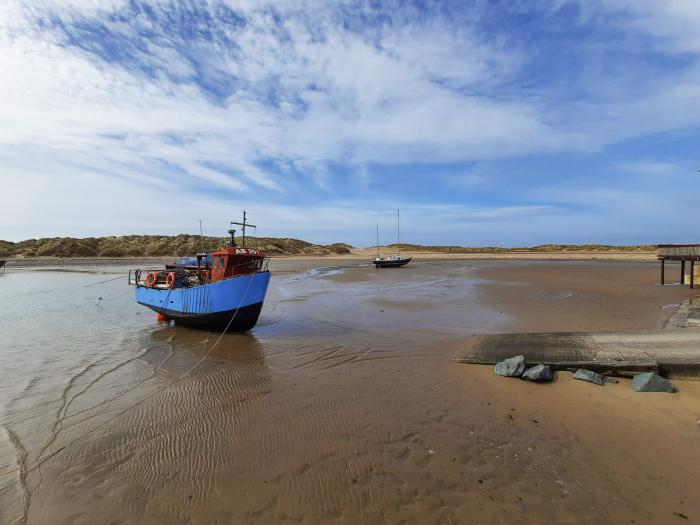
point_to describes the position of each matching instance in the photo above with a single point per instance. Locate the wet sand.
(343, 406)
(580, 296)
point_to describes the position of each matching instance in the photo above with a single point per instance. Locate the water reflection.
(171, 343)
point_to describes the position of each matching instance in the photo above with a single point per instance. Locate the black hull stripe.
(391, 264)
(245, 317)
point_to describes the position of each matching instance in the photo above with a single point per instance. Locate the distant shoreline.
(154, 247)
(521, 254)
(356, 255)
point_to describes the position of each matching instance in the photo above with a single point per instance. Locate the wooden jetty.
(673, 353)
(685, 253)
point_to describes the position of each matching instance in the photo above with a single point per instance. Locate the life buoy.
(170, 280)
(151, 279)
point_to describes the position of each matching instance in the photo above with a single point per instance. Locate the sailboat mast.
(377, 240)
(398, 232)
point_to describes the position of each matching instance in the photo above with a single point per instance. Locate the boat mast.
(244, 224)
(377, 241)
(398, 233)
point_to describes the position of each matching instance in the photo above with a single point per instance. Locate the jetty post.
(682, 253)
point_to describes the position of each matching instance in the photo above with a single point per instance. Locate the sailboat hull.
(391, 263)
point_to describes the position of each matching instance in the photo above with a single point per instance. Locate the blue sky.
(488, 123)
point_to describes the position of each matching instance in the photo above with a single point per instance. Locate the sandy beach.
(344, 406)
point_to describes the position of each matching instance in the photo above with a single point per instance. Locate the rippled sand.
(342, 406)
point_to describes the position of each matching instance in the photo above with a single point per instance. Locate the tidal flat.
(343, 404)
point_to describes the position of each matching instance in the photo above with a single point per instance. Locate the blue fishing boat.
(220, 289)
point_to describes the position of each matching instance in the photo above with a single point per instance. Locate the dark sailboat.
(392, 261)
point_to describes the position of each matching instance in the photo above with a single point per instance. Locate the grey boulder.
(540, 373)
(513, 367)
(651, 382)
(586, 375)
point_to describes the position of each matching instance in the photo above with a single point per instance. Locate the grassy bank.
(156, 246)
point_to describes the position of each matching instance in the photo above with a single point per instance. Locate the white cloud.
(658, 170)
(267, 102)
(674, 22)
(335, 94)
(132, 207)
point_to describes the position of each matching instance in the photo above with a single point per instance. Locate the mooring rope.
(106, 281)
(121, 294)
(38, 462)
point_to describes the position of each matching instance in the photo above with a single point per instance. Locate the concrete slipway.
(672, 352)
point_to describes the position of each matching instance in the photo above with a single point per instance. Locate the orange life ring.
(151, 279)
(170, 280)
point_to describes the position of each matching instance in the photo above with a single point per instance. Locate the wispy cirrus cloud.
(309, 104)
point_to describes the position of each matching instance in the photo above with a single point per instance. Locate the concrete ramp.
(674, 353)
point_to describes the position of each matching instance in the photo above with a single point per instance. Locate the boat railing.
(135, 275)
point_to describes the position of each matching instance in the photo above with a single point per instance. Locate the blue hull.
(211, 305)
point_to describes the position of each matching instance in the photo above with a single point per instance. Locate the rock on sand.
(512, 367)
(651, 382)
(540, 373)
(586, 375)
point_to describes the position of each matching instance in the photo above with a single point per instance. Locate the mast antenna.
(245, 225)
(201, 236)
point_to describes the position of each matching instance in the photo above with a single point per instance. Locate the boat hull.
(234, 302)
(391, 263)
(240, 319)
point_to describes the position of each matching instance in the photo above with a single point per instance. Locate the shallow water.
(90, 380)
